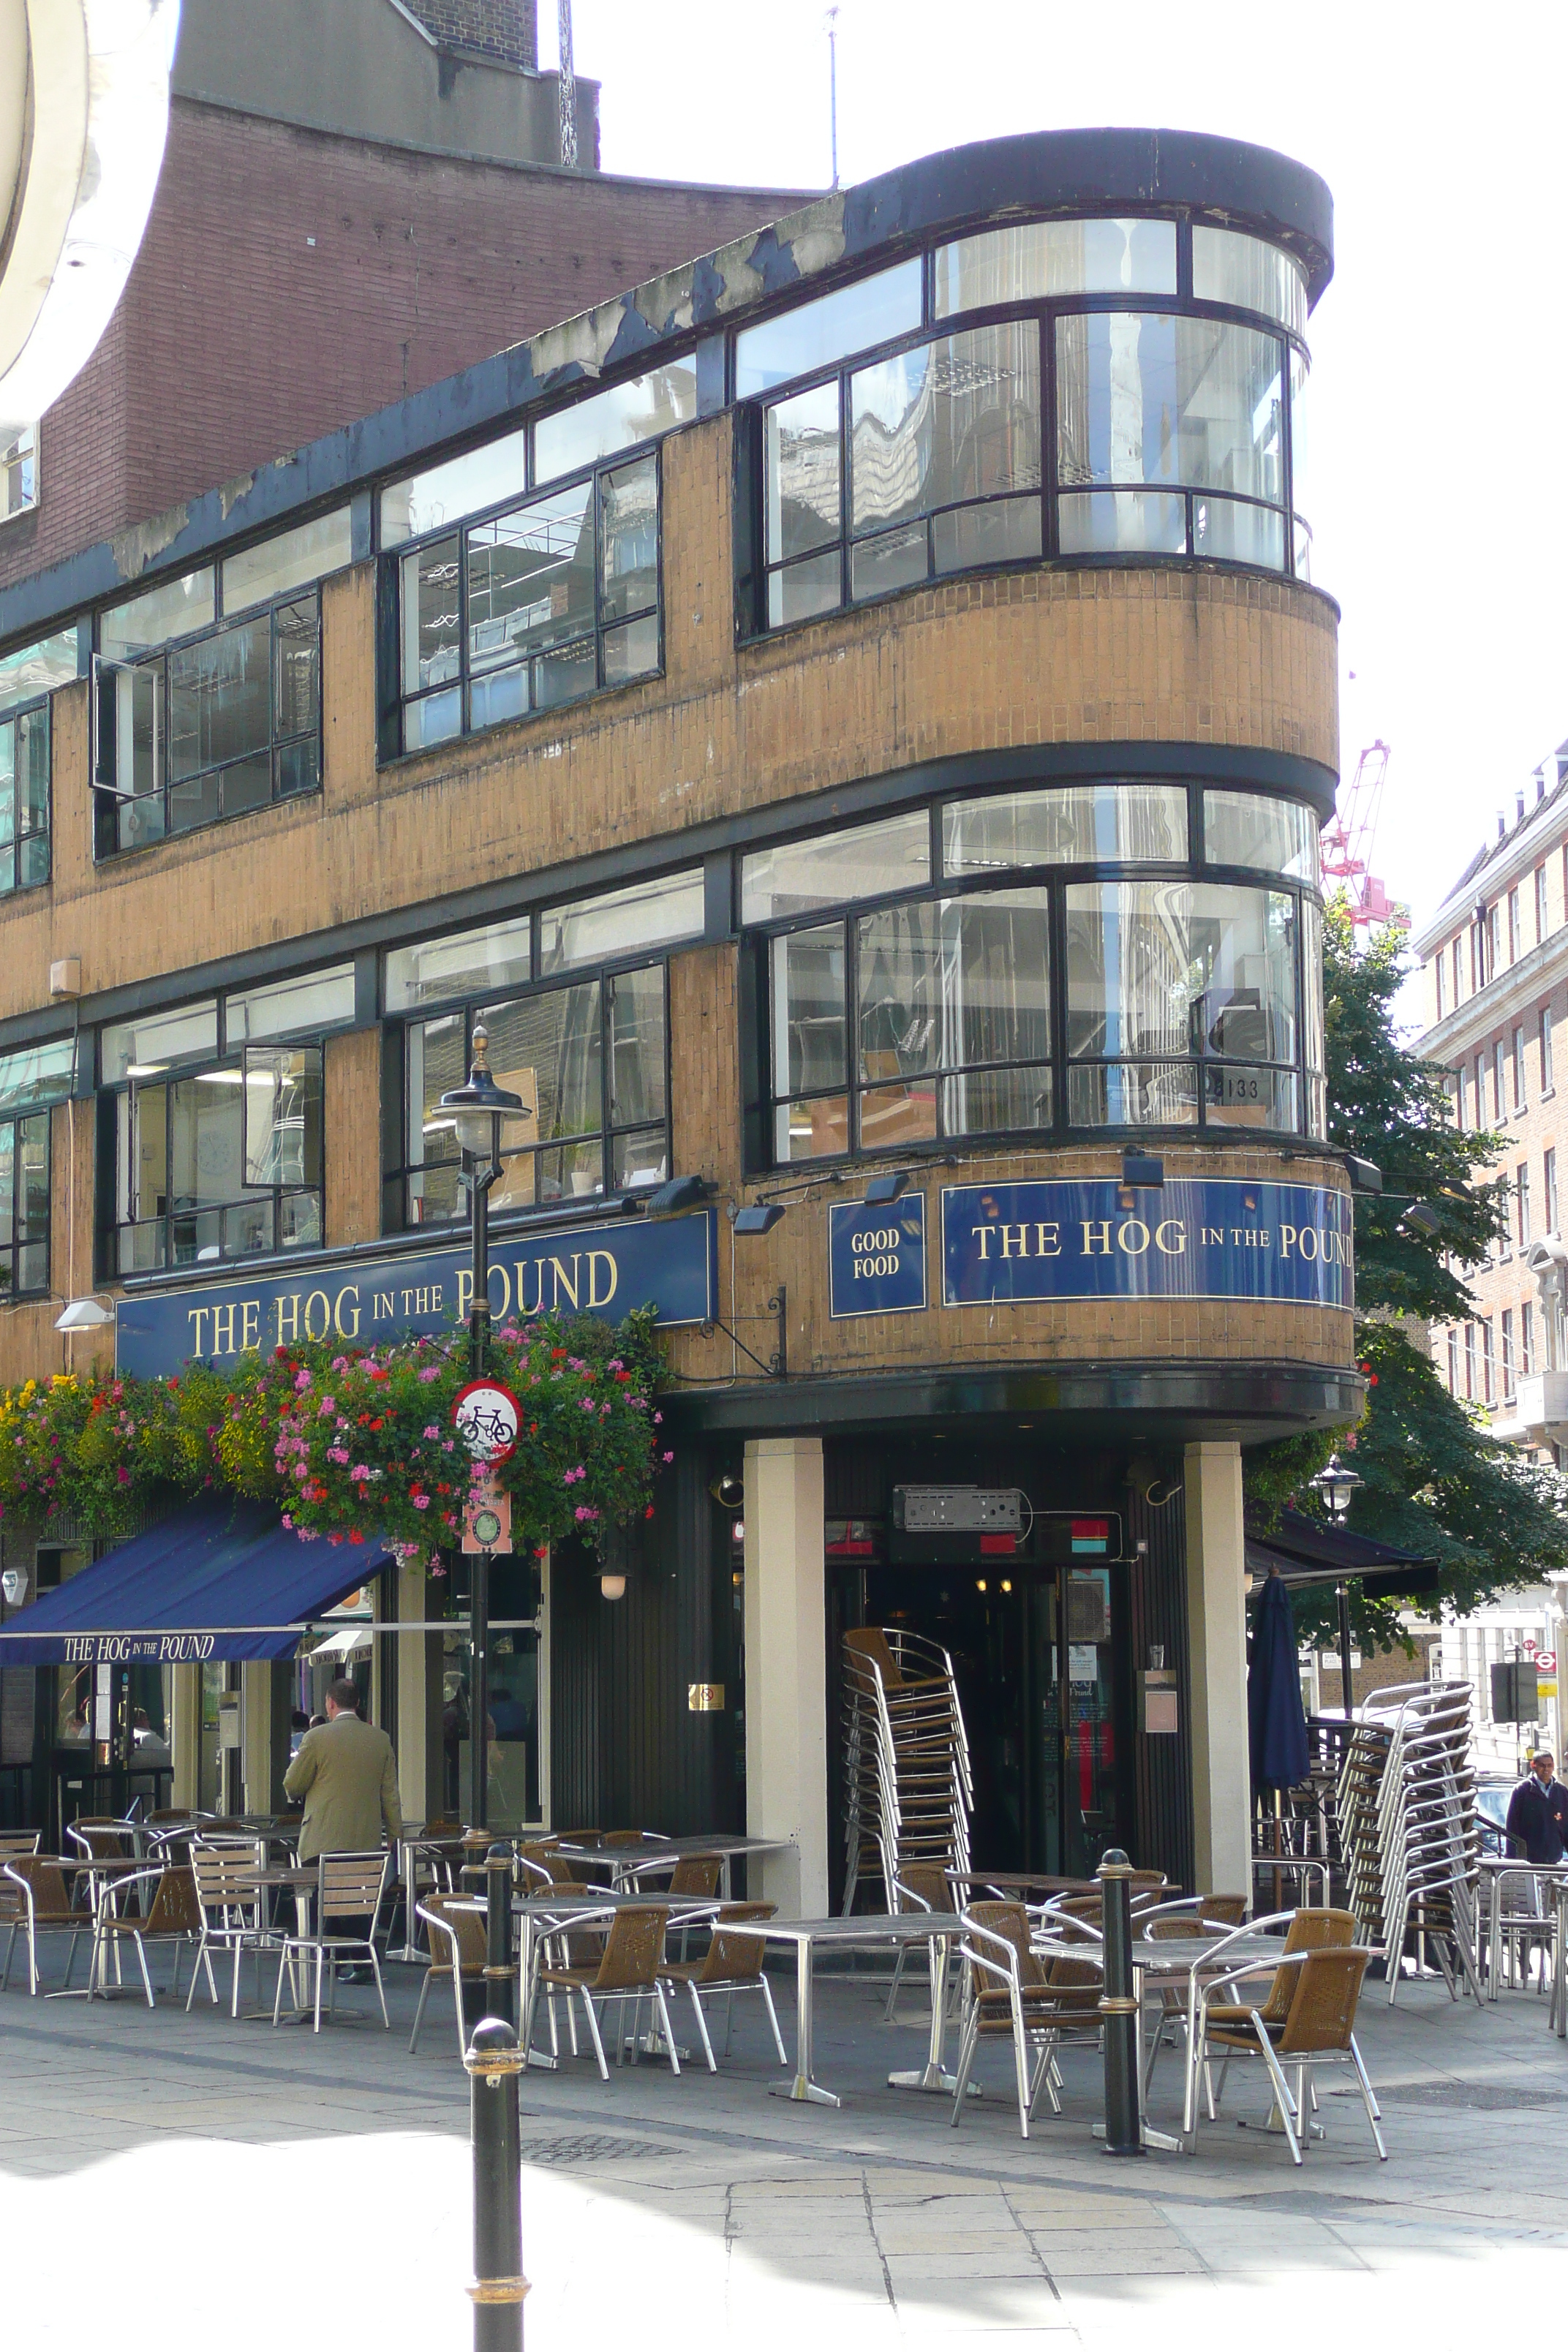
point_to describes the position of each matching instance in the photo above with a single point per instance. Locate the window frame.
(15, 1242)
(398, 1028)
(1182, 303)
(120, 1097)
(11, 717)
(392, 564)
(108, 799)
(760, 1112)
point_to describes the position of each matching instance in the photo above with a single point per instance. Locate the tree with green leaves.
(1434, 1482)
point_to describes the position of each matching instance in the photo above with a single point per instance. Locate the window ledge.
(103, 860)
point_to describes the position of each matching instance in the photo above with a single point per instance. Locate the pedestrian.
(1538, 1811)
(347, 1775)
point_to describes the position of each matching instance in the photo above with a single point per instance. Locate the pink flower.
(359, 1471)
(302, 1383)
(669, 1457)
(432, 1431)
(430, 1372)
(287, 1520)
(123, 1477)
(420, 1501)
(326, 1409)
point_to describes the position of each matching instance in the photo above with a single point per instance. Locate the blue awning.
(216, 1580)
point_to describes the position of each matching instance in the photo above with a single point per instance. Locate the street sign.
(1546, 1662)
(487, 1521)
(487, 1417)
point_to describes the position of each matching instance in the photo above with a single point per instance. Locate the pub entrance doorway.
(1039, 1656)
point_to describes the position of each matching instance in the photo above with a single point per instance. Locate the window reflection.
(1038, 260)
(221, 1161)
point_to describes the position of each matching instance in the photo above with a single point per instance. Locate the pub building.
(854, 718)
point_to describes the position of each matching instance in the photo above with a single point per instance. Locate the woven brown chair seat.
(731, 1964)
(174, 1916)
(1317, 2028)
(459, 1950)
(1310, 1930)
(629, 1969)
(1035, 2004)
(34, 1900)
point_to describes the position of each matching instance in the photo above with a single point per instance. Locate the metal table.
(872, 1931)
(662, 1853)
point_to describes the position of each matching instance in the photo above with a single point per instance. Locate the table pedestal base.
(930, 2078)
(801, 2087)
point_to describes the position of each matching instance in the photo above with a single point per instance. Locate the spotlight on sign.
(761, 1217)
(883, 1191)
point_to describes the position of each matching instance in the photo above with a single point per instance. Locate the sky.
(1439, 348)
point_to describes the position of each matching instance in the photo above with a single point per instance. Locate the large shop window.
(1170, 428)
(551, 600)
(218, 1146)
(1059, 1000)
(209, 689)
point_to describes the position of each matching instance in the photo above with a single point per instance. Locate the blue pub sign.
(666, 1263)
(1193, 1238)
(876, 1257)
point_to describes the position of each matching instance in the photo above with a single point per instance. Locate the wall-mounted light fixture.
(682, 1192)
(84, 1315)
(758, 1217)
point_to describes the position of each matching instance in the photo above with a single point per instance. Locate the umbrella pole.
(1342, 1591)
(1278, 1896)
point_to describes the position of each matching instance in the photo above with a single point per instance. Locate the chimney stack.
(1519, 806)
(1501, 826)
(1540, 786)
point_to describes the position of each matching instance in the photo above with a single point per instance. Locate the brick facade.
(507, 29)
(290, 282)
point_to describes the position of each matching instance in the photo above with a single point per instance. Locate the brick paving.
(139, 2147)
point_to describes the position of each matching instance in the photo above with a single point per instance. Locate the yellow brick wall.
(1049, 657)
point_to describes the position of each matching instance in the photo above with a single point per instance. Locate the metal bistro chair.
(174, 1916)
(629, 1969)
(1015, 1994)
(34, 1899)
(349, 1887)
(1172, 1922)
(460, 1923)
(1318, 2029)
(233, 1913)
(732, 1964)
(1305, 1930)
(920, 1886)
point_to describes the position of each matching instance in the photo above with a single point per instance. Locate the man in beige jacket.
(347, 1774)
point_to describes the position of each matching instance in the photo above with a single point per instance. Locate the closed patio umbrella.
(1276, 1723)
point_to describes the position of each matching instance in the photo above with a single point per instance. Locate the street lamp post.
(478, 1112)
(1336, 1484)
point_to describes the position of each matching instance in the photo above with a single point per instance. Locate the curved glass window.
(1073, 825)
(1063, 1003)
(1203, 972)
(1248, 829)
(1035, 261)
(851, 318)
(1228, 266)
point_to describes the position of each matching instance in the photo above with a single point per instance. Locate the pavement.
(172, 2176)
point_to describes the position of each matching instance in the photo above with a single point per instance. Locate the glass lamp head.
(1336, 1484)
(481, 1109)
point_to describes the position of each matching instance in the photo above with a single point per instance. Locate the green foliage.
(1435, 1482)
(1387, 1105)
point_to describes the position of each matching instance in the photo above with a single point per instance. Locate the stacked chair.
(909, 1792)
(1409, 1835)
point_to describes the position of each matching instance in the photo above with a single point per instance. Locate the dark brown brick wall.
(497, 28)
(238, 339)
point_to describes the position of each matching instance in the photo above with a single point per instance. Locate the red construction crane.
(1347, 844)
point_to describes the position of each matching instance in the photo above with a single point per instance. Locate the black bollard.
(494, 2062)
(1119, 2008)
(498, 1961)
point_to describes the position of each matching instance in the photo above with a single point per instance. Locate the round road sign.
(487, 1417)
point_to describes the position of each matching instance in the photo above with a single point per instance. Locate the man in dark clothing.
(1538, 1812)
